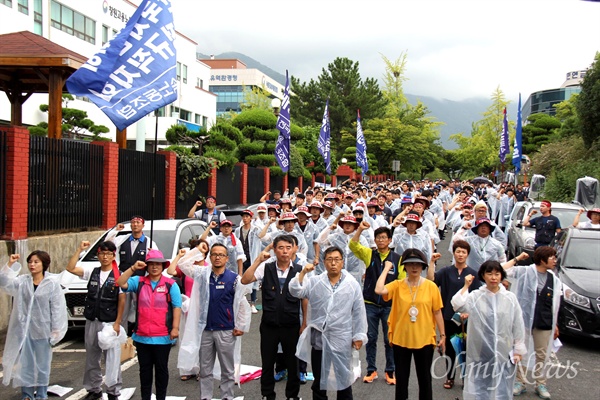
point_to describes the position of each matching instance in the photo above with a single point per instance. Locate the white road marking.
(125, 366)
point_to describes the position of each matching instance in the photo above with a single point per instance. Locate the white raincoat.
(355, 266)
(495, 329)
(524, 280)
(38, 318)
(505, 206)
(189, 348)
(342, 319)
(402, 240)
(482, 249)
(234, 252)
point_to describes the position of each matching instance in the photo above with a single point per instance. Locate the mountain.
(457, 116)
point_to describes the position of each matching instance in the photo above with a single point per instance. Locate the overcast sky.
(456, 49)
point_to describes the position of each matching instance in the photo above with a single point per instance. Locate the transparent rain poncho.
(341, 318)
(495, 331)
(110, 341)
(505, 207)
(524, 280)
(352, 264)
(482, 249)
(302, 245)
(189, 348)
(402, 240)
(37, 320)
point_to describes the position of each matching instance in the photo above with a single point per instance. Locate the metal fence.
(139, 174)
(256, 181)
(65, 185)
(3, 189)
(229, 183)
(276, 183)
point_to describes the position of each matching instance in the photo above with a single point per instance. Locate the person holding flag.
(504, 147)
(282, 148)
(323, 145)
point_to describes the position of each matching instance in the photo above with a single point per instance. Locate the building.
(230, 77)
(84, 27)
(545, 100)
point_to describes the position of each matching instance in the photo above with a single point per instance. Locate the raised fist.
(84, 245)
(213, 224)
(198, 203)
(120, 227)
(365, 225)
(469, 279)
(308, 268)
(13, 259)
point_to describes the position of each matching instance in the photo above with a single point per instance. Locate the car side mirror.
(519, 224)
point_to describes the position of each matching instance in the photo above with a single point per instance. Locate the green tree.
(257, 97)
(566, 113)
(342, 84)
(541, 129)
(75, 123)
(588, 103)
(478, 153)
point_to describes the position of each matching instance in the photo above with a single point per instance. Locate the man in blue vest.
(208, 214)
(378, 310)
(104, 302)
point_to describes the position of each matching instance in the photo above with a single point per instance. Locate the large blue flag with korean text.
(518, 147)
(324, 145)
(282, 148)
(135, 72)
(504, 147)
(361, 147)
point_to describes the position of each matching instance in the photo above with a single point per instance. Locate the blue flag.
(135, 72)
(504, 147)
(323, 145)
(518, 147)
(282, 148)
(361, 147)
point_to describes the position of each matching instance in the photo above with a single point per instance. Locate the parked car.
(577, 266)
(522, 238)
(169, 235)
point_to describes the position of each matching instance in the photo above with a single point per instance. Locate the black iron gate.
(3, 189)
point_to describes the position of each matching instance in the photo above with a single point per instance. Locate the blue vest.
(220, 304)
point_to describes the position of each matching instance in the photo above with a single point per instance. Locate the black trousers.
(450, 329)
(423, 359)
(315, 357)
(153, 359)
(270, 337)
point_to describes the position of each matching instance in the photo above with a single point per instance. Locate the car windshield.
(163, 239)
(564, 215)
(579, 254)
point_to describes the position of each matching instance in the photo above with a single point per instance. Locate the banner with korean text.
(324, 145)
(282, 148)
(135, 72)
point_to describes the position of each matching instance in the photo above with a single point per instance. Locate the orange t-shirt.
(403, 332)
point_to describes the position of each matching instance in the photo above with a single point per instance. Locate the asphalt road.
(576, 371)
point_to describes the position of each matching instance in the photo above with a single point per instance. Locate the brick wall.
(17, 182)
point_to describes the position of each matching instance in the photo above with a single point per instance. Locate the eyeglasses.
(105, 254)
(218, 255)
(334, 260)
(381, 238)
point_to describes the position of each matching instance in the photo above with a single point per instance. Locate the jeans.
(41, 392)
(36, 358)
(375, 314)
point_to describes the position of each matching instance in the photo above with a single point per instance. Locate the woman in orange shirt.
(416, 311)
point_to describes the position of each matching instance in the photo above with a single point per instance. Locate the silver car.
(522, 238)
(170, 235)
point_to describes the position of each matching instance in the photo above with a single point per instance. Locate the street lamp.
(276, 104)
(344, 161)
(201, 141)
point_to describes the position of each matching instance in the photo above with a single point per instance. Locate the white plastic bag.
(356, 364)
(111, 342)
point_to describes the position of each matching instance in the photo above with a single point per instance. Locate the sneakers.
(542, 392)
(303, 378)
(390, 379)
(93, 396)
(519, 389)
(370, 377)
(281, 375)
(254, 310)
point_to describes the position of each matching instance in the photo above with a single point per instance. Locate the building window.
(204, 121)
(73, 23)
(7, 3)
(161, 112)
(184, 73)
(199, 83)
(104, 34)
(24, 6)
(183, 114)
(197, 119)
(38, 23)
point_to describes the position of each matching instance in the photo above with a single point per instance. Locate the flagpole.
(154, 165)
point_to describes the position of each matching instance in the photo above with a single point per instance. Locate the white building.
(229, 78)
(83, 27)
